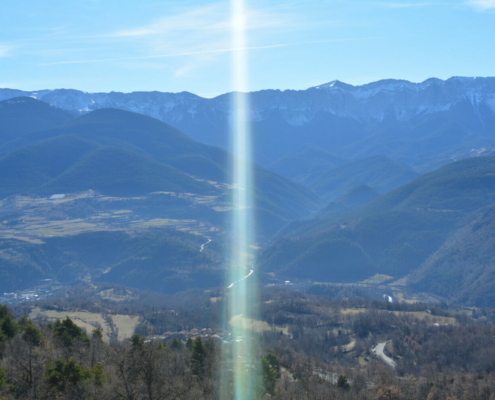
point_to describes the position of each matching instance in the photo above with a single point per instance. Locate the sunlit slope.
(71, 164)
(14, 121)
(278, 199)
(380, 172)
(393, 234)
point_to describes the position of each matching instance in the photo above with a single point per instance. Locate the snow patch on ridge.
(371, 102)
(490, 102)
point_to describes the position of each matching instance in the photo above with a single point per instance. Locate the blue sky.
(174, 46)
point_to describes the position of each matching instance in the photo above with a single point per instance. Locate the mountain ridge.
(81, 102)
(455, 115)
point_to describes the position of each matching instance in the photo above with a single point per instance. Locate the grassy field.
(377, 279)
(386, 284)
(421, 315)
(125, 324)
(36, 218)
(257, 326)
(110, 294)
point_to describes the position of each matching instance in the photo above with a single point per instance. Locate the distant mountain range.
(353, 183)
(423, 125)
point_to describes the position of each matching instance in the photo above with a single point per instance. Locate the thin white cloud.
(206, 27)
(482, 5)
(404, 5)
(200, 53)
(202, 33)
(397, 4)
(5, 50)
(186, 71)
(196, 37)
(212, 19)
(187, 53)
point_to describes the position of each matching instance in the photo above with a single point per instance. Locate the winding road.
(247, 276)
(233, 283)
(378, 350)
(203, 245)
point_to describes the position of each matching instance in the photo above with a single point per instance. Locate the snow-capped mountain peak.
(374, 101)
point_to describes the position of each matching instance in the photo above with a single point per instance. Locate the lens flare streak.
(238, 352)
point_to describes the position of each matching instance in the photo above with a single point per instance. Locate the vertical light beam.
(241, 293)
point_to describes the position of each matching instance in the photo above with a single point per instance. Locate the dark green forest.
(326, 351)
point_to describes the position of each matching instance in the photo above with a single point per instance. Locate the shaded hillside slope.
(463, 268)
(464, 186)
(15, 123)
(149, 137)
(380, 172)
(142, 134)
(163, 261)
(27, 168)
(119, 172)
(306, 160)
(355, 197)
(393, 234)
(71, 164)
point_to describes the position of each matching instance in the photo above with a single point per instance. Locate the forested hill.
(68, 163)
(22, 115)
(397, 233)
(148, 143)
(66, 183)
(380, 172)
(93, 342)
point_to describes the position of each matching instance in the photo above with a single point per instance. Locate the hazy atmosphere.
(247, 200)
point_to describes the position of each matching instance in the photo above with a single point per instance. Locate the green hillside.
(160, 261)
(278, 199)
(355, 197)
(142, 134)
(26, 169)
(462, 186)
(71, 164)
(306, 160)
(118, 172)
(393, 234)
(393, 243)
(463, 268)
(14, 121)
(380, 172)
(359, 195)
